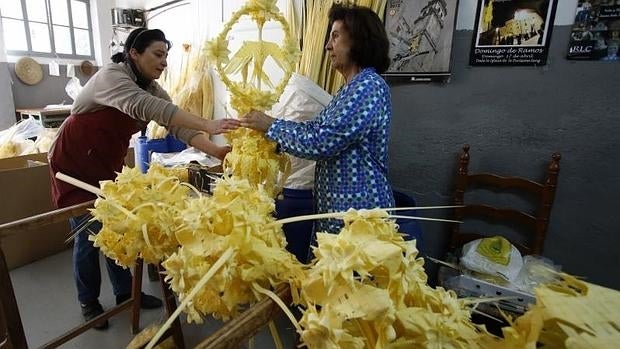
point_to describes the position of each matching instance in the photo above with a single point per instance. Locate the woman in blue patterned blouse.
(349, 138)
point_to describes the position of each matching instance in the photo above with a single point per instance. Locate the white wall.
(203, 20)
(565, 13)
(133, 3)
(102, 29)
(2, 48)
(7, 106)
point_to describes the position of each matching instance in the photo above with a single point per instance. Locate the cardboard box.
(25, 189)
(25, 192)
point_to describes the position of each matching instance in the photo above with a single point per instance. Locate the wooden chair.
(531, 225)
(525, 229)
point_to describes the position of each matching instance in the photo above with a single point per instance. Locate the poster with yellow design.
(512, 32)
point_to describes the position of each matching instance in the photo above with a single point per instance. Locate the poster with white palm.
(421, 36)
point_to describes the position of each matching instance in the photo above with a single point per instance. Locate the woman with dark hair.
(349, 138)
(92, 143)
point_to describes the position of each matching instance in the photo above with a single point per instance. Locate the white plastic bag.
(45, 139)
(473, 260)
(301, 101)
(15, 140)
(73, 87)
(27, 128)
(536, 270)
(183, 158)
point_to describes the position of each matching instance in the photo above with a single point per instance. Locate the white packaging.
(473, 260)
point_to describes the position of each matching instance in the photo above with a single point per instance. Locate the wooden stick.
(280, 303)
(84, 225)
(43, 219)
(13, 335)
(474, 310)
(479, 300)
(78, 183)
(439, 261)
(275, 335)
(247, 324)
(74, 332)
(426, 219)
(214, 268)
(341, 215)
(421, 208)
(170, 304)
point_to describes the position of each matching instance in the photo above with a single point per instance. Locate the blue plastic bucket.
(144, 148)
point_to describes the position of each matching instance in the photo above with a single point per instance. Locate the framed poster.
(596, 32)
(421, 34)
(512, 32)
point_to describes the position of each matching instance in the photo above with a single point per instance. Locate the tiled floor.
(46, 297)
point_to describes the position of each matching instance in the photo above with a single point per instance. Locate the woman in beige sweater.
(117, 102)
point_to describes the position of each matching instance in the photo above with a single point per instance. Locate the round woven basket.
(87, 68)
(28, 71)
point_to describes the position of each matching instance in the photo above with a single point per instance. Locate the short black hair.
(370, 45)
(140, 39)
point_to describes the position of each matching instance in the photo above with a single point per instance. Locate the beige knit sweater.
(115, 86)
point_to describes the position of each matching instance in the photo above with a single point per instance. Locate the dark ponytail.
(140, 39)
(118, 57)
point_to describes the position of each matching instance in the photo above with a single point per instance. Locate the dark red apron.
(90, 147)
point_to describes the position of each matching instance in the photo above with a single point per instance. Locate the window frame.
(50, 27)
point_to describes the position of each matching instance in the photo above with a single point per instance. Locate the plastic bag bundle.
(15, 140)
(493, 256)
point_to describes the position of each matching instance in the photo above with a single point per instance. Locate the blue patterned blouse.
(349, 141)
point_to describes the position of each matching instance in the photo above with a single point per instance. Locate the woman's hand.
(257, 120)
(202, 142)
(186, 119)
(220, 152)
(215, 127)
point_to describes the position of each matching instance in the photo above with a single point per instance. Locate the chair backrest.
(533, 225)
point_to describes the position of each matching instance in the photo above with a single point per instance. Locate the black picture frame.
(595, 35)
(421, 35)
(512, 32)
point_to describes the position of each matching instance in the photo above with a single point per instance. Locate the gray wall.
(514, 118)
(51, 90)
